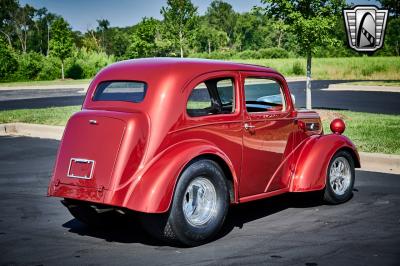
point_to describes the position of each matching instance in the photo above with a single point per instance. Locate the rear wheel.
(340, 178)
(198, 209)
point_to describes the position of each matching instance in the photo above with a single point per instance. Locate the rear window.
(126, 91)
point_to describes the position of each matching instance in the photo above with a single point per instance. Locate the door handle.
(248, 126)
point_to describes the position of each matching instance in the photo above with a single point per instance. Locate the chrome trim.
(80, 160)
(248, 126)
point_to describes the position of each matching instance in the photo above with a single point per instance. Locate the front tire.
(199, 207)
(340, 178)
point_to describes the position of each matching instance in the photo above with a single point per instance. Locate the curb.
(294, 79)
(373, 162)
(32, 130)
(347, 87)
(384, 163)
(82, 86)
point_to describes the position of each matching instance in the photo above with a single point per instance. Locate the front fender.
(313, 161)
(154, 188)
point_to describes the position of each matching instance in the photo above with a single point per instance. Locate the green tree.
(7, 9)
(61, 43)
(103, 26)
(222, 17)
(40, 32)
(312, 21)
(392, 38)
(392, 5)
(392, 35)
(208, 39)
(180, 19)
(90, 41)
(23, 22)
(252, 31)
(143, 39)
(118, 42)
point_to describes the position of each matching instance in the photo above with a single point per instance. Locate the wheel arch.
(155, 186)
(354, 155)
(226, 170)
(313, 159)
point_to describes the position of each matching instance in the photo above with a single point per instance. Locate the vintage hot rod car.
(180, 140)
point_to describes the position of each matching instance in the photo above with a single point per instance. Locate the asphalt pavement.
(285, 230)
(361, 101)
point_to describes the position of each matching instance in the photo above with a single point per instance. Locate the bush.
(298, 68)
(29, 66)
(75, 71)
(8, 63)
(248, 54)
(213, 55)
(90, 62)
(273, 53)
(51, 69)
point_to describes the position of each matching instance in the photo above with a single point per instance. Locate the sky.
(82, 14)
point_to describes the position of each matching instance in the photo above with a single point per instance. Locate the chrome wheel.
(340, 175)
(199, 201)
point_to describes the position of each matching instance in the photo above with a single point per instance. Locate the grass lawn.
(345, 68)
(57, 116)
(45, 82)
(370, 132)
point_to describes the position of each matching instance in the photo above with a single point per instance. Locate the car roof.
(186, 65)
(165, 77)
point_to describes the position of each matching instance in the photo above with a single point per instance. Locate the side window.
(263, 95)
(211, 97)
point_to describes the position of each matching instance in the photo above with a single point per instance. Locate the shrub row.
(35, 66)
(265, 53)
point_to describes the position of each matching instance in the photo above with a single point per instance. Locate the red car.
(180, 140)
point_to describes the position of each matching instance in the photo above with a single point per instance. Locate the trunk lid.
(89, 150)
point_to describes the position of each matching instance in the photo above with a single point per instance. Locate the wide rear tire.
(199, 206)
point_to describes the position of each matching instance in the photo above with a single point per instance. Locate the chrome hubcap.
(340, 175)
(199, 201)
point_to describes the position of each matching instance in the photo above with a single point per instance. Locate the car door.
(267, 134)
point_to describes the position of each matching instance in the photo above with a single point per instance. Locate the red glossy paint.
(337, 126)
(140, 149)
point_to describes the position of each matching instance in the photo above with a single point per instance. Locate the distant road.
(361, 101)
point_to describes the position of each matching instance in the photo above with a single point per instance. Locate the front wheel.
(198, 209)
(340, 178)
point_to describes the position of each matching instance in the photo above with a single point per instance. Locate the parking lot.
(285, 230)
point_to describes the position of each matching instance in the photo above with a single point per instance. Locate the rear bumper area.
(87, 194)
(76, 192)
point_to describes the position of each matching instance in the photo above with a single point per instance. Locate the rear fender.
(155, 185)
(313, 159)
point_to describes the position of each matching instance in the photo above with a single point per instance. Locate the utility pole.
(48, 38)
(308, 83)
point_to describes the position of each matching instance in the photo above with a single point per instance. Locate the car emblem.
(365, 27)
